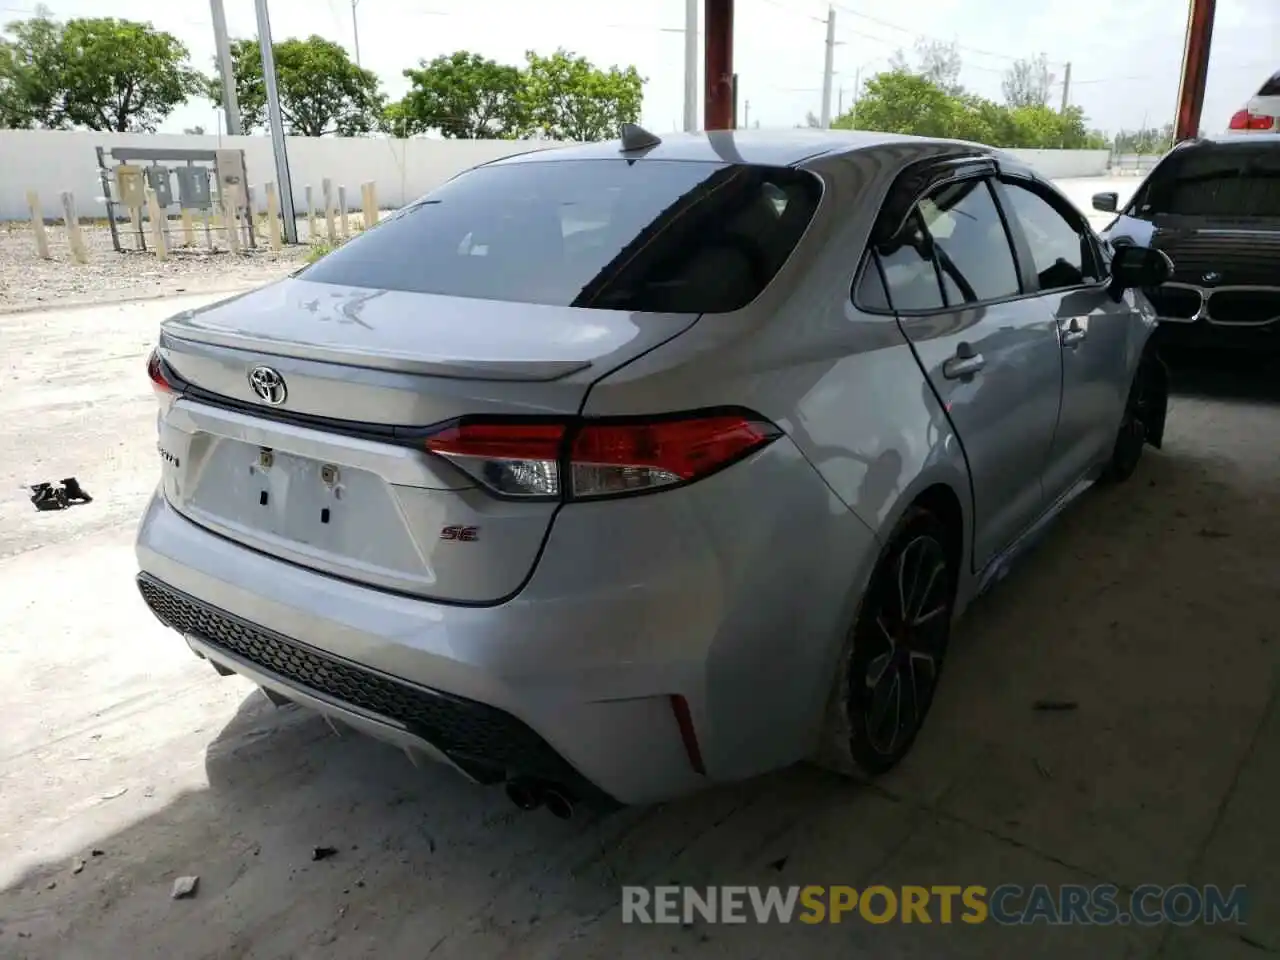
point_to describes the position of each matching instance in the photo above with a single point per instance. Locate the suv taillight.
(1245, 120)
(588, 459)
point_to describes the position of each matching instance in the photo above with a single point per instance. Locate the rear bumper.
(687, 594)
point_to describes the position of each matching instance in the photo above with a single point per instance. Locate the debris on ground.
(1043, 770)
(184, 888)
(77, 865)
(1211, 534)
(1055, 705)
(778, 864)
(323, 853)
(97, 853)
(46, 496)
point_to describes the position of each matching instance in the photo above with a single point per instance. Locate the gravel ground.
(27, 282)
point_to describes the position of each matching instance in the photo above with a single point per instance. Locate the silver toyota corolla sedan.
(613, 471)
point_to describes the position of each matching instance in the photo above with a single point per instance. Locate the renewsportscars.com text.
(1008, 904)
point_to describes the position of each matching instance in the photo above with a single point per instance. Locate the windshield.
(655, 236)
(1215, 180)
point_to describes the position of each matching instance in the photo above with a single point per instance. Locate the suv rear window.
(655, 236)
(1237, 179)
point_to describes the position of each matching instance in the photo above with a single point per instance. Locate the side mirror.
(1106, 202)
(1134, 266)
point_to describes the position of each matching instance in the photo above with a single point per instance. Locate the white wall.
(1064, 164)
(50, 161)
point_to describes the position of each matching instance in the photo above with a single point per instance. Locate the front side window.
(650, 235)
(972, 246)
(1061, 253)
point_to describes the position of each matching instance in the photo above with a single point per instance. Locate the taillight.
(613, 458)
(598, 458)
(156, 371)
(513, 459)
(1246, 120)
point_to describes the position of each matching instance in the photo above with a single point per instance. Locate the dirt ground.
(126, 763)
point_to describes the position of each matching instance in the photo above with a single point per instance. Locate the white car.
(1262, 113)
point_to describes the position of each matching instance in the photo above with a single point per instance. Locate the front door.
(990, 353)
(1093, 329)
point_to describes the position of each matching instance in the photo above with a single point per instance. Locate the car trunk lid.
(334, 476)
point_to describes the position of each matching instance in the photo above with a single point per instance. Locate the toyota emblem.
(268, 385)
(1211, 277)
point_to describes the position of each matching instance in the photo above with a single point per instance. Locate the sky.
(1125, 55)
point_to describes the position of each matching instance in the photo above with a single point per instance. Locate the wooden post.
(188, 229)
(230, 201)
(74, 236)
(330, 228)
(37, 225)
(367, 191)
(157, 218)
(273, 215)
(311, 217)
(342, 207)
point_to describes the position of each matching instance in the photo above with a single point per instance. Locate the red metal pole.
(1195, 68)
(718, 65)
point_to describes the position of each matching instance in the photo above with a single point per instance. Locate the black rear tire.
(1137, 424)
(893, 656)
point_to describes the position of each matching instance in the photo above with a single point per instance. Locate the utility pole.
(355, 29)
(746, 113)
(690, 66)
(828, 68)
(222, 46)
(277, 124)
(1066, 87)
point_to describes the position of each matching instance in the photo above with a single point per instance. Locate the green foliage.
(903, 102)
(559, 97)
(321, 90)
(1147, 141)
(463, 96)
(565, 97)
(99, 73)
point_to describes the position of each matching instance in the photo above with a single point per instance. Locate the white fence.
(51, 161)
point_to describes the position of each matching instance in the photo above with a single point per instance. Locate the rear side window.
(909, 270)
(973, 249)
(654, 236)
(1234, 180)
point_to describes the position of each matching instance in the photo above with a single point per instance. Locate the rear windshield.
(1272, 87)
(1215, 180)
(656, 236)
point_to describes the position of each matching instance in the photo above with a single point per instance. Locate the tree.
(565, 97)
(1028, 83)
(811, 120)
(321, 91)
(936, 61)
(96, 72)
(32, 91)
(463, 96)
(900, 102)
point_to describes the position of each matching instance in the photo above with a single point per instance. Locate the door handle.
(965, 363)
(1074, 333)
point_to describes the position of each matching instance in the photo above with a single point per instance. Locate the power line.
(926, 36)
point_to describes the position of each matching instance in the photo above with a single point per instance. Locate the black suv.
(1213, 205)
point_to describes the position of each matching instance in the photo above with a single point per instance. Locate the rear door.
(1096, 332)
(990, 354)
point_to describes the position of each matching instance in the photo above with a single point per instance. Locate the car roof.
(766, 147)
